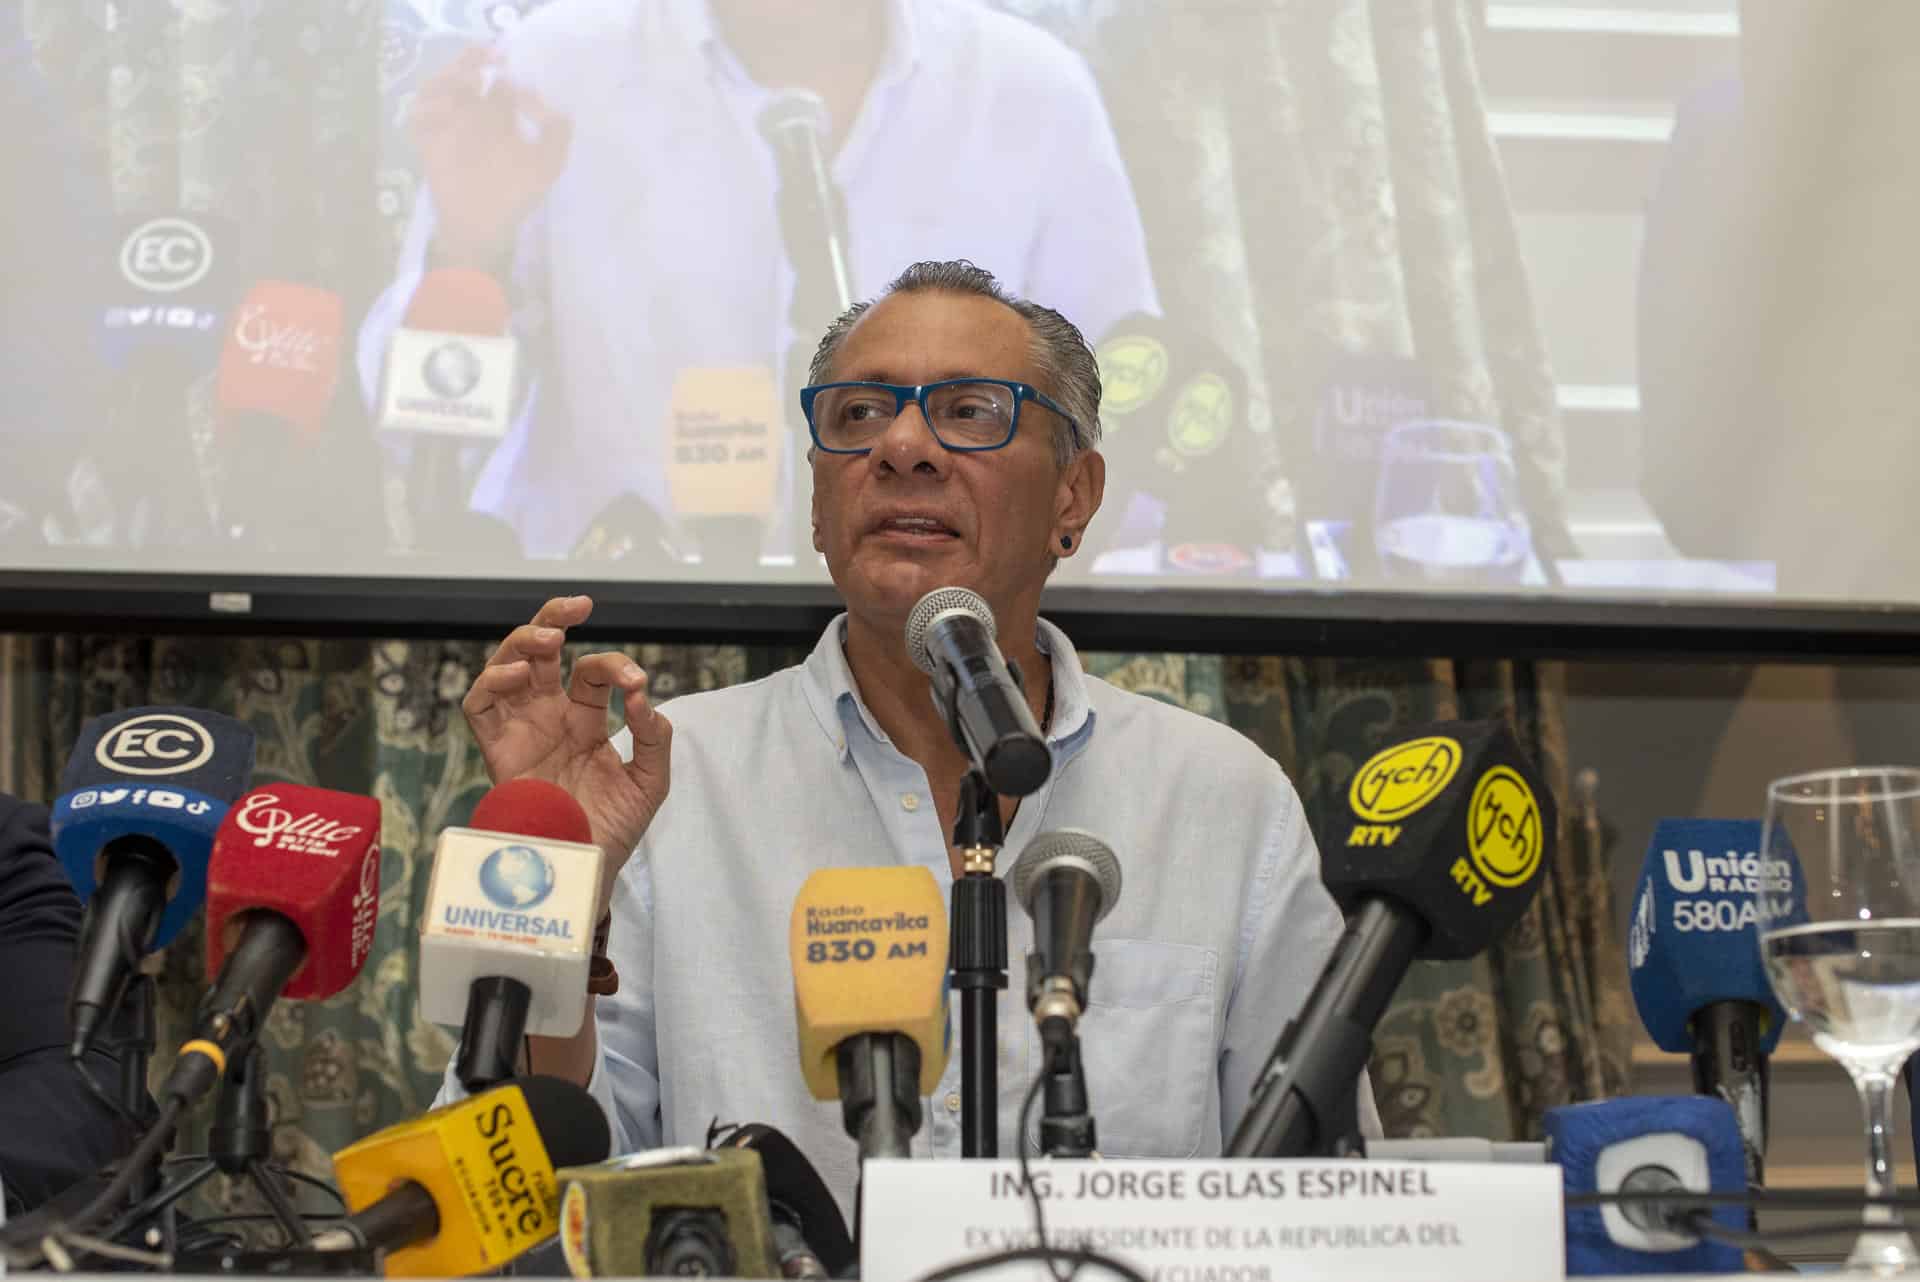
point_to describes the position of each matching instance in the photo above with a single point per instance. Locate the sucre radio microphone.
(1439, 853)
(507, 939)
(470, 1186)
(950, 637)
(1693, 958)
(141, 798)
(293, 894)
(869, 950)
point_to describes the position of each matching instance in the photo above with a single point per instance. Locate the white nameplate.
(1249, 1221)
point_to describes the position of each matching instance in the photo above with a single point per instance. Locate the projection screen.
(1519, 299)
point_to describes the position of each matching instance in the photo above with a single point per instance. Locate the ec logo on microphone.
(159, 743)
(165, 255)
(1395, 783)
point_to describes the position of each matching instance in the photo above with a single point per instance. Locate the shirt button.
(909, 801)
(953, 1101)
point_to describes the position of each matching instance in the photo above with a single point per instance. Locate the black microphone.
(812, 218)
(809, 1233)
(1447, 833)
(950, 635)
(1067, 880)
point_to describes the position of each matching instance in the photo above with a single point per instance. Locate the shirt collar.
(838, 708)
(693, 21)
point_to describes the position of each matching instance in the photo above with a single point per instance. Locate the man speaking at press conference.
(844, 761)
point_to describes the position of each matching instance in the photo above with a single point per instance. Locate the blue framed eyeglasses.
(966, 415)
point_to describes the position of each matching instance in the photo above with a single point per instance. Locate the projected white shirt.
(660, 250)
(1221, 927)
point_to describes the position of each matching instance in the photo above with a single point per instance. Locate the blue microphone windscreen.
(166, 775)
(1578, 1139)
(1694, 939)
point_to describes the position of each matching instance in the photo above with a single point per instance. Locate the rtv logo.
(160, 743)
(166, 255)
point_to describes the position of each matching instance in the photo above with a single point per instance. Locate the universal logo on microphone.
(270, 824)
(1396, 783)
(451, 370)
(166, 255)
(159, 743)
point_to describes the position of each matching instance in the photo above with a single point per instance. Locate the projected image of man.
(631, 171)
(956, 431)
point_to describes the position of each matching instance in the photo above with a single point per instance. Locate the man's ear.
(814, 502)
(1083, 483)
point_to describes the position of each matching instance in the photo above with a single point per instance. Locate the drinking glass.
(1837, 900)
(1447, 507)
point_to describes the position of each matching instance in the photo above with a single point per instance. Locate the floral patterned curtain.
(1339, 189)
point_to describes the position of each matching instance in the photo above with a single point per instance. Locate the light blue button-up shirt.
(659, 250)
(1221, 927)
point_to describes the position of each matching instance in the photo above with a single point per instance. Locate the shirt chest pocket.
(1147, 1045)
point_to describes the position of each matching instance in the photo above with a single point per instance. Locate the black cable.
(1779, 1199)
(313, 1182)
(151, 1145)
(1077, 1256)
(1703, 1223)
(1074, 1257)
(1026, 1178)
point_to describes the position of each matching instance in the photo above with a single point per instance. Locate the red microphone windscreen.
(313, 856)
(282, 356)
(532, 808)
(459, 300)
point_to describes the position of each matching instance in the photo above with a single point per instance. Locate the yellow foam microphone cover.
(488, 1169)
(869, 951)
(724, 431)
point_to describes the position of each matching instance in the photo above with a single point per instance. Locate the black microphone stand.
(1066, 1120)
(979, 961)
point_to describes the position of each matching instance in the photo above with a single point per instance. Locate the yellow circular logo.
(1504, 833)
(1398, 781)
(573, 1231)
(1202, 415)
(1133, 369)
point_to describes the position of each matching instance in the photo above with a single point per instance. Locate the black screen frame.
(1317, 622)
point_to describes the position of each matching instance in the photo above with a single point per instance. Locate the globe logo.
(451, 370)
(516, 877)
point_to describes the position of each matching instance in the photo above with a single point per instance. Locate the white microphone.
(507, 940)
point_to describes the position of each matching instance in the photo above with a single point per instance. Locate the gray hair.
(1068, 370)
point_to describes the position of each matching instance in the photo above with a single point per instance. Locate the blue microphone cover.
(1578, 1135)
(1694, 937)
(167, 774)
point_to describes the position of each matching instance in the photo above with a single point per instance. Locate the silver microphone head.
(1067, 848)
(934, 604)
(795, 109)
